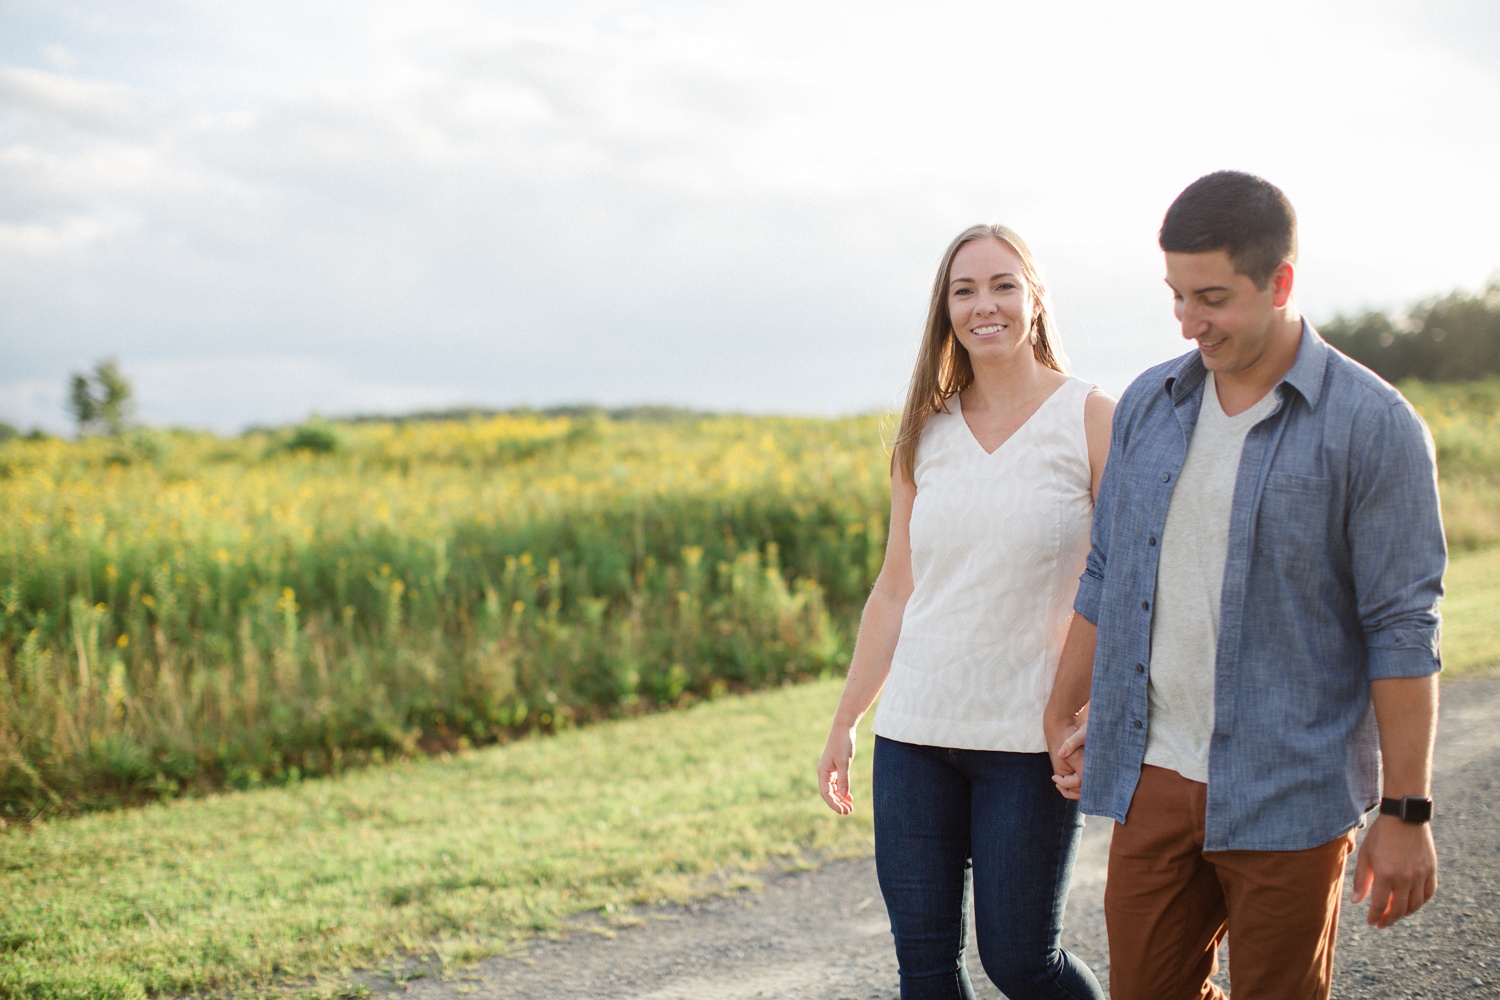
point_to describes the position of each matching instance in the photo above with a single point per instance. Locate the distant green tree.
(1449, 339)
(8, 432)
(81, 401)
(102, 401)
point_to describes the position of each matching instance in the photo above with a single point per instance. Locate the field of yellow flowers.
(185, 612)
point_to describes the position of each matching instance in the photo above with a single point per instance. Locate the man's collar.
(1306, 374)
(1307, 371)
(1185, 377)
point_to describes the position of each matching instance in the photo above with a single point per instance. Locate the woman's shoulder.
(941, 439)
(1096, 399)
(1080, 386)
(1089, 396)
(948, 412)
(1073, 396)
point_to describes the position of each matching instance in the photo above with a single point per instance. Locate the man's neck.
(1238, 391)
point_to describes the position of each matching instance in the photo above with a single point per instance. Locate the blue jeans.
(939, 811)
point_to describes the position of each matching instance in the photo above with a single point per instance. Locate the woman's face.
(989, 301)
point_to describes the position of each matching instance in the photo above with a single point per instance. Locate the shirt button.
(1140, 668)
(1166, 477)
(1136, 724)
(1145, 605)
(1151, 541)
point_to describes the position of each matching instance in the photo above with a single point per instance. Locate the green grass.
(449, 859)
(1471, 613)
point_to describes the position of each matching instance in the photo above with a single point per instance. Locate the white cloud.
(41, 240)
(60, 57)
(95, 105)
(38, 176)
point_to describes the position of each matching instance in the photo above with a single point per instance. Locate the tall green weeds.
(1465, 422)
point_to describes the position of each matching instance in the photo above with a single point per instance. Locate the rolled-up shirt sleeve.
(1399, 555)
(1091, 583)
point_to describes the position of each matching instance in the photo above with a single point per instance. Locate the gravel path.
(823, 935)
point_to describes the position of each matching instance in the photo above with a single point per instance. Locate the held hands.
(833, 771)
(1066, 743)
(1396, 869)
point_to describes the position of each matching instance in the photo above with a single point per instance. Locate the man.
(1262, 589)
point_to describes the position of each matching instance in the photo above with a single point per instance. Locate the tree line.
(1453, 338)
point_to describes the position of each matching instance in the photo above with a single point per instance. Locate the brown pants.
(1168, 904)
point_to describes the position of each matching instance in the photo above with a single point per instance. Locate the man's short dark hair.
(1237, 212)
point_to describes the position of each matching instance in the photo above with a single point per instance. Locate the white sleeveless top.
(997, 545)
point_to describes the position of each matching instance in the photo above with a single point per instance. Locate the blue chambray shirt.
(1332, 579)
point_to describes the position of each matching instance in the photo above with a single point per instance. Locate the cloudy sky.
(265, 210)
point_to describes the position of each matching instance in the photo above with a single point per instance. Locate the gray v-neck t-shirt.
(1189, 581)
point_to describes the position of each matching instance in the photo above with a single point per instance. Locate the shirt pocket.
(1295, 526)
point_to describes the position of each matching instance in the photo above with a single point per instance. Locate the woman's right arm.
(879, 628)
(1066, 718)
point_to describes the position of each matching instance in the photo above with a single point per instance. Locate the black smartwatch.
(1412, 809)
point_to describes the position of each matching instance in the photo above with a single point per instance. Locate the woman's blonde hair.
(943, 366)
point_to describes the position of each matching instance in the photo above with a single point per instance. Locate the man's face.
(1233, 322)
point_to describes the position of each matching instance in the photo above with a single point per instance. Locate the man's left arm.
(1397, 866)
(1399, 557)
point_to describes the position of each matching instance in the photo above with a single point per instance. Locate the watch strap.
(1410, 809)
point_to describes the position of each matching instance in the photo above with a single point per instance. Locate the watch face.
(1412, 809)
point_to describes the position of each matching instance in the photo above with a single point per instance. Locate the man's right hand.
(1396, 869)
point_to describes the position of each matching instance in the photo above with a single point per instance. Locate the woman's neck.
(1011, 383)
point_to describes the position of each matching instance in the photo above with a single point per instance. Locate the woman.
(996, 464)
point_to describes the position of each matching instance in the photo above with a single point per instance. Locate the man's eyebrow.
(1200, 291)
